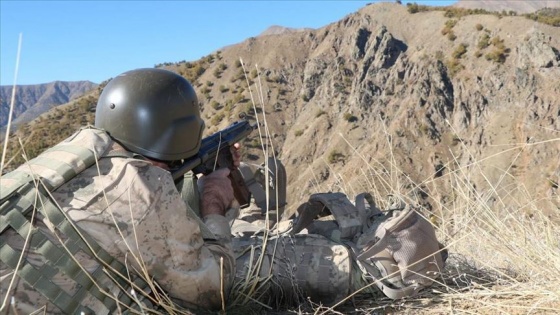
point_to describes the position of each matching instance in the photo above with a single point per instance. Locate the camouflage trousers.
(288, 269)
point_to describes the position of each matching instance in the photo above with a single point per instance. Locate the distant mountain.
(34, 100)
(508, 5)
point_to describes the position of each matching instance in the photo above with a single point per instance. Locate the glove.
(217, 192)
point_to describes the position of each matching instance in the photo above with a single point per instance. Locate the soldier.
(128, 204)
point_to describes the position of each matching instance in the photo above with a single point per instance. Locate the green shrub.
(451, 36)
(349, 117)
(335, 156)
(460, 51)
(484, 41)
(450, 23)
(454, 66)
(478, 54)
(223, 88)
(237, 63)
(479, 27)
(319, 113)
(216, 119)
(215, 105)
(298, 132)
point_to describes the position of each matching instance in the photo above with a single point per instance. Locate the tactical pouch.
(266, 178)
(401, 253)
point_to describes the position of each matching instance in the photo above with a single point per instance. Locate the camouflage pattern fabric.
(296, 268)
(133, 210)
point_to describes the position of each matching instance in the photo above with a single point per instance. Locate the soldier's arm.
(173, 249)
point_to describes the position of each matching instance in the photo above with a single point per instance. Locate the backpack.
(25, 192)
(396, 248)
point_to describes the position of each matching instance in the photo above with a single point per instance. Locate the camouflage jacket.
(134, 211)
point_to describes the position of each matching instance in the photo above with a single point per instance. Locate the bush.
(454, 66)
(216, 119)
(237, 63)
(478, 54)
(460, 51)
(215, 105)
(319, 113)
(451, 36)
(223, 88)
(335, 156)
(298, 132)
(479, 27)
(349, 117)
(484, 41)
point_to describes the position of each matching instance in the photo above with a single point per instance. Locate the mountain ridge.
(32, 100)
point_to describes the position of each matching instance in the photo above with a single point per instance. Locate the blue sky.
(97, 40)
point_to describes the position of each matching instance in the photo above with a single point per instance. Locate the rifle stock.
(215, 153)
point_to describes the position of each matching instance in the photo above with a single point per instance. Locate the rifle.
(215, 153)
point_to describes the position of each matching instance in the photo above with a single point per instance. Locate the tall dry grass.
(502, 258)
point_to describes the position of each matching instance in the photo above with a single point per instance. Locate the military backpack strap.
(346, 215)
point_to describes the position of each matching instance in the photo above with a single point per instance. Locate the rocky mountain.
(34, 100)
(393, 100)
(508, 5)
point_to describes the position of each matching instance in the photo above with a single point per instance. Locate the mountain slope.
(33, 100)
(508, 5)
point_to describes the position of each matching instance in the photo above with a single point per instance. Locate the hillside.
(34, 100)
(460, 113)
(508, 5)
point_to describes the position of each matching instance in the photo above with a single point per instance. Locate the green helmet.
(152, 112)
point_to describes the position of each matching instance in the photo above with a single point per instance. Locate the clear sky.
(97, 40)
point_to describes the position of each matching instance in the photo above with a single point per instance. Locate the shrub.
(484, 41)
(223, 88)
(460, 51)
(216, 119)
(454, 66)
(478, 54)
(319, 113)
(451, 36)
(335, 156)
(479, 27)
(298, 132)
(215, 105)
(349, 117)
(237, 63)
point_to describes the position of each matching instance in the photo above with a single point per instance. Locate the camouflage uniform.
(133, 210)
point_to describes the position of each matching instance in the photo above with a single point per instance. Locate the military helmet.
(152, 112)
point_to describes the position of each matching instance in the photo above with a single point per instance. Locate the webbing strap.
(388, 290)
(22, 202)
(59, 259)
(13, 181)
(83, 154)
(64, 172)
(40, 279)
